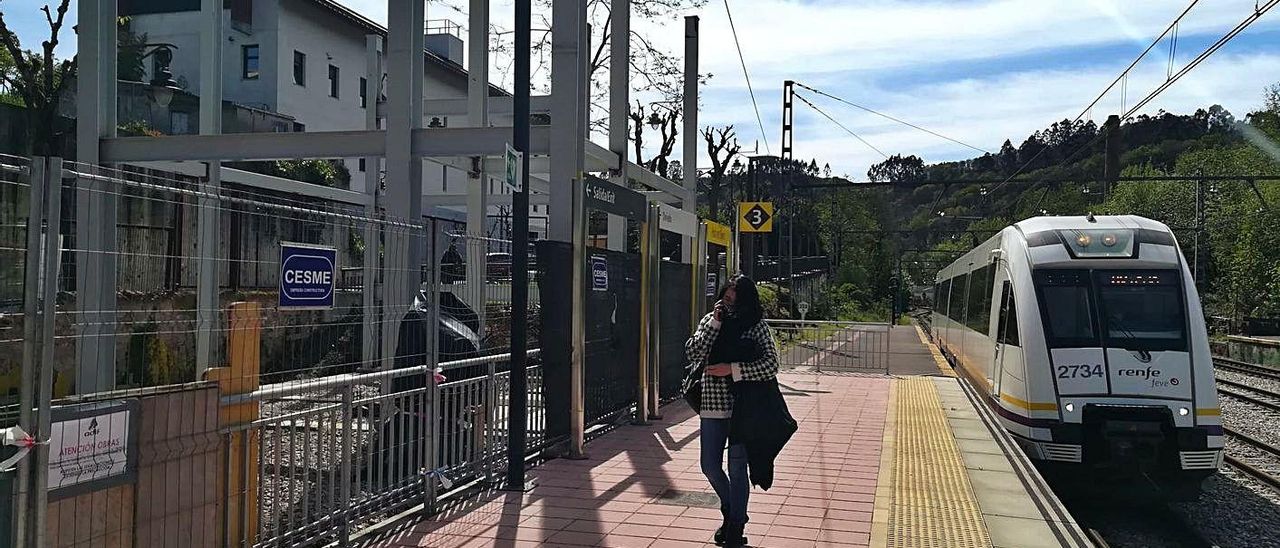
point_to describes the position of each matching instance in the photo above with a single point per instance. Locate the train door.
(1006, 335)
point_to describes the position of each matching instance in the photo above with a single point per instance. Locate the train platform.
(879, 460)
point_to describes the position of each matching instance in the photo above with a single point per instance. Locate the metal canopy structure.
(394, 140)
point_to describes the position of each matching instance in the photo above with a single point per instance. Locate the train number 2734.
(1079, 371)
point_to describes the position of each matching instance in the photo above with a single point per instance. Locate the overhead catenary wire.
(751, 91)
(891, 118)
(841, 126)
(1121, 78)
(1258, 12)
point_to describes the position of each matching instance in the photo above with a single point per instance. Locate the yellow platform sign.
(755, 216)
(719, 234)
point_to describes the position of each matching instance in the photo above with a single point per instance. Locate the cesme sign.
(308, 276)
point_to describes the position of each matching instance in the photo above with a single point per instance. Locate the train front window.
(1142, 310)
(1065, 300)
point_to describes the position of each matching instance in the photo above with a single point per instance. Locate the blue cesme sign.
(308, 276)
(599, 273)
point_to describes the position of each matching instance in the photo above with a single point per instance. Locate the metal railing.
(342, 452)
(831, 346)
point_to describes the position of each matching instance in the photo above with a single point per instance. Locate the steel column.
(648, 290)
(690, 162)
(371, 318)
(209, 214)
(477, 181)
(403, 258)
(44, 397)
(518, 394)
(95, 238)
(654, 259)
(568, 208)
(619, 106)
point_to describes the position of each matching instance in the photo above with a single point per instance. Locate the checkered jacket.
(717, 399)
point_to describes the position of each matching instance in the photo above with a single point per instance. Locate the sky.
(979, 71)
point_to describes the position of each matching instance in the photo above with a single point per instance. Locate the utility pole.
(518, 399)
(1111, 165)
(788, 113)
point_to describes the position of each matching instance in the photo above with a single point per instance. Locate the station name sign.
(605, 196)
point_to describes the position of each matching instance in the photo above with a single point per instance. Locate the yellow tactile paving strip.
(930, 502)
(943, 366)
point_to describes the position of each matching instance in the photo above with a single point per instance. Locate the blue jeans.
(734, 489)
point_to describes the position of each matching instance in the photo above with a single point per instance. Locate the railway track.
(1253, 369)
(1249, 469)
(1259, 396)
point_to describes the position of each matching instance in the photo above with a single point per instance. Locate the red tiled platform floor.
(823, 494)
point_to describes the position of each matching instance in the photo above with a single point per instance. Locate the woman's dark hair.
(747, 303)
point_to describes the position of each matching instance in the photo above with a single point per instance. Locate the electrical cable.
(888, 117)
(763, 136)
(847, 130)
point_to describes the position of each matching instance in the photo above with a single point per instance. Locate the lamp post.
(162, 83)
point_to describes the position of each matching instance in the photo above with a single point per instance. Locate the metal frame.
(401, 144)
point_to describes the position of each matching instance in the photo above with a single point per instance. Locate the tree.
(897, 169)
(654, 70)
(39, 80)
(665, 121)
(722, 148)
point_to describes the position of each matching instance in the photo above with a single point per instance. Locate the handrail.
(292, 388)
(823, 322)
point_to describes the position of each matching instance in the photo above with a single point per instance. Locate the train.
(1085, 336)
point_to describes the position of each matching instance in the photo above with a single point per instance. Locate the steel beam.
(458, 200)
(435, 142)
(498, 106)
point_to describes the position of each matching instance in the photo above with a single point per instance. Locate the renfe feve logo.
(1149, 374)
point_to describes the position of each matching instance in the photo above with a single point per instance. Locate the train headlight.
(1099, 242)
(1071, 407)
(1183, 411)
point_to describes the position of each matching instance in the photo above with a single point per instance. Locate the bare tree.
(666, 122)
(654, 70)
(39, 80)
(722, 147)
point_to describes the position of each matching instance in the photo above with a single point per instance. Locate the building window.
(333, 81)
(364, 92)
(299, 68)
(241, 13)
(299, 127)
(249, 60)
(361, 165)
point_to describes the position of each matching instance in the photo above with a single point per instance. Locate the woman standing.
(731, 344)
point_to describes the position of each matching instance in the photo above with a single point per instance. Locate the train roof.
(1043, 224)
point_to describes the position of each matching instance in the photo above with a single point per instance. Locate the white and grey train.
(1086, 337)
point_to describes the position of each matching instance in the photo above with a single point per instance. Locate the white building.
(307, 59)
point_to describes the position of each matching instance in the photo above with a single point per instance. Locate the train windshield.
(1067, 302)
(1142, 310)
(1131, 309)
